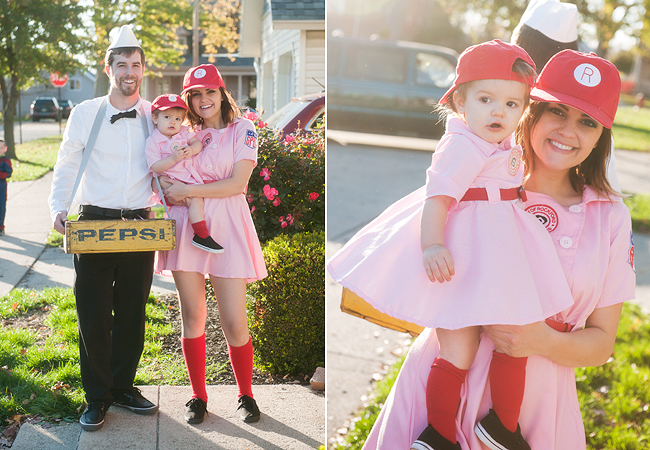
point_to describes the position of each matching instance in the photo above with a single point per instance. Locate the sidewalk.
(293, 416)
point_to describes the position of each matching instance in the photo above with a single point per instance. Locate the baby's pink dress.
(229, 219)
(160, 147)
(507, 270)
(594, 243)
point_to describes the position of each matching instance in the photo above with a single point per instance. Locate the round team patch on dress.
(545, 214)
(514, 161)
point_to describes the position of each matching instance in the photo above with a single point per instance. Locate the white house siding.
(314, 62)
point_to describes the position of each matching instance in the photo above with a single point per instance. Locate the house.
(80, 87)
(238, 75)
(287, 39)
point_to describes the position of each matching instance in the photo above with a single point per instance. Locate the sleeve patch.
(630, 253)
(251, 139)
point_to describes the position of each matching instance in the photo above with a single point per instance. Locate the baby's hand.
(438, 263)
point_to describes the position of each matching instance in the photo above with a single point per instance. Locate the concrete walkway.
(293, 416)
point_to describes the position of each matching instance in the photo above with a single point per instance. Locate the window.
(434, 70)
(75, 85)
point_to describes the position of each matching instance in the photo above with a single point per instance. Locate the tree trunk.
(9, 101)
(101, 81)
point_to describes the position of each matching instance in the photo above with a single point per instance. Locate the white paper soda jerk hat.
(555, 20)
(125, 38)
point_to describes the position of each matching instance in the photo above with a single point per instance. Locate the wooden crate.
(111, 236)
(351, 303)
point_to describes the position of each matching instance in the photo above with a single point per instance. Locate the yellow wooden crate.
(112, 236)
(351, 303)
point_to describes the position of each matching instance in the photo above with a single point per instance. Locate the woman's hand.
(519, 341)
(176, 192)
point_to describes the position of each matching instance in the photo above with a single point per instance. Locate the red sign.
(58, 80)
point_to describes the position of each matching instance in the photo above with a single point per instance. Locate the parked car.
(66, 107)
(300, 112)
(45, 108)
(387, 87)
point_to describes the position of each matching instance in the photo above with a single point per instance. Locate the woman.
(566, 138)
(226, 162)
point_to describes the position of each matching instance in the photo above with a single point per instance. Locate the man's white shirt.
(117, 175)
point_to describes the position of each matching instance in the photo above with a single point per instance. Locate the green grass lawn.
(35, 158)
(39, 366)
(631, 129)
(614, 398)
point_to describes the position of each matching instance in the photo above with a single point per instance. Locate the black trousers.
(111, 291)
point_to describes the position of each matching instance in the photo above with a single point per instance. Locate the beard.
(127, 89)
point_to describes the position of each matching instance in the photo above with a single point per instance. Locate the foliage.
(39, 368)
(614, 398)
(639, 206)
(36, 36)
(361, 425)
(221, 21)
(35, 158)
(154, 23)
(287, 189)
(286, 310)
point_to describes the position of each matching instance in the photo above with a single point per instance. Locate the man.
(111, 289)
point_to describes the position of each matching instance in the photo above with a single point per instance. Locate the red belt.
(480, 194)
(559, 326)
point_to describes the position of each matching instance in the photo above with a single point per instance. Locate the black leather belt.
(128, 214)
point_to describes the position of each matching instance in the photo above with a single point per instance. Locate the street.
(34, 130)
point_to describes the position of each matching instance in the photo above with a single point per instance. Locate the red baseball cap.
(490, 60)
(167, 101)
(204, 76)
(583, 81)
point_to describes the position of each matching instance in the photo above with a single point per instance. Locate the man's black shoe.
(492, 433)
(196, 410)
(248, 410)
(93, 417)
(132, 399)
(430, 439)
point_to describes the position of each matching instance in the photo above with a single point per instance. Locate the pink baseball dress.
(232, 226)
(595, 247)
(160, 147)
(507, 270)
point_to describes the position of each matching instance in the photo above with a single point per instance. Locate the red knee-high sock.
(241, 359)
(507, 383)
(194, 352)
(443, 395)
(201, 229)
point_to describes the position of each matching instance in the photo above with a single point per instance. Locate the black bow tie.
(128, 115)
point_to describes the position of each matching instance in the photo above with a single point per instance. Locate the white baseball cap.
(555, 20)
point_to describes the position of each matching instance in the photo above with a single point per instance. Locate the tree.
(36, 36)
(154, 23)
(220, 23)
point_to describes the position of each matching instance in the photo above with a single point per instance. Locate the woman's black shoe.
(196, 410)
(248, 410)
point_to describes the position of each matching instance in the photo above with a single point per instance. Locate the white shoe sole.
(485, 437)
(207, 249)
(419, 445)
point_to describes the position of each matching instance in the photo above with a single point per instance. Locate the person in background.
(5, 172)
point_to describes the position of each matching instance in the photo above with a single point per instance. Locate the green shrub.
(286, 310)
(286, 191)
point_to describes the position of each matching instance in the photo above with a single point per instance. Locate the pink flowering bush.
(286, 192)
